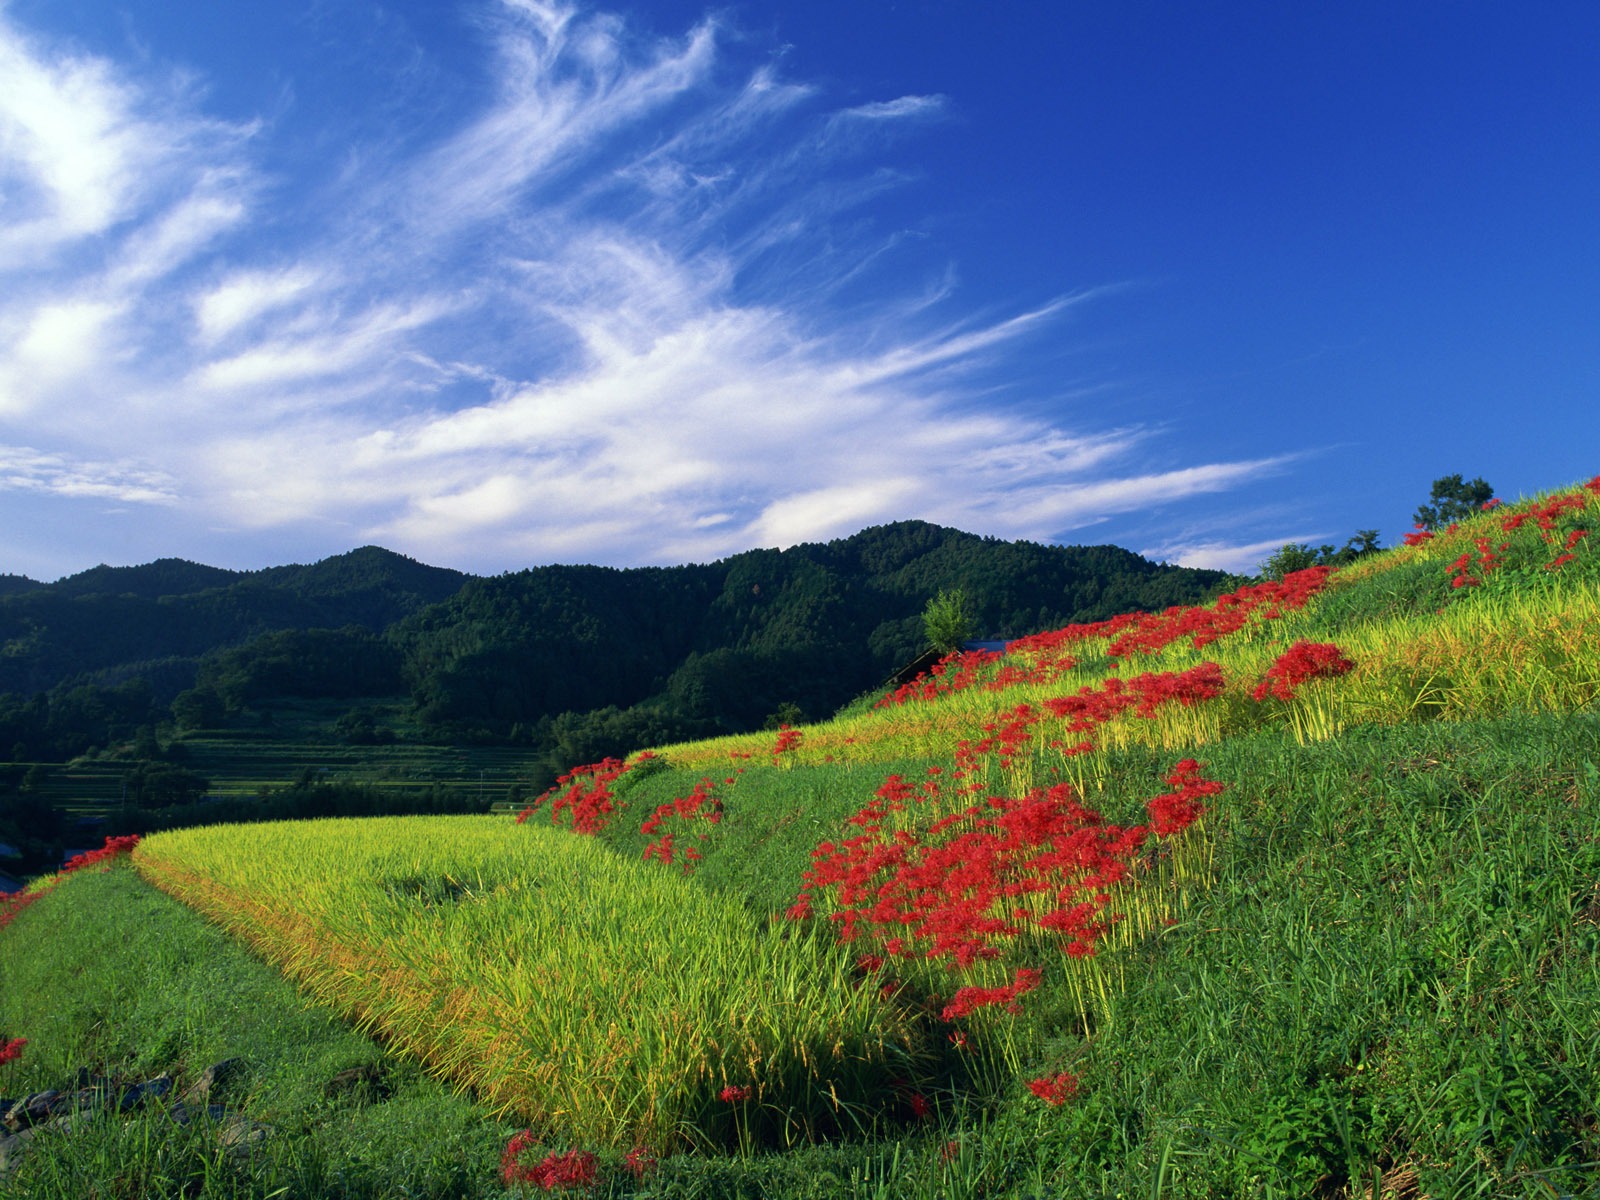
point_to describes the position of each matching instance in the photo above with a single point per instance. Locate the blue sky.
(504, 282)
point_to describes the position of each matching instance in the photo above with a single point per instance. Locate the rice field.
(606, 999)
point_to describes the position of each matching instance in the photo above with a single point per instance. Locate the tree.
(1291, 557)
(1297, 556)
(1453, 499)
(947, 621)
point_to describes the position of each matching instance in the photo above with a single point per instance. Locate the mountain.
(580, 661)
(105, 624)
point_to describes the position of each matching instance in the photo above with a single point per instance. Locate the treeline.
(160, 795)
(572, 661)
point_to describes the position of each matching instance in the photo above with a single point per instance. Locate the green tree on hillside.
(1297, 556)
(948, 621)
(1453, 499)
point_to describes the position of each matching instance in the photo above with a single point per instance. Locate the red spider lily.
(1177, 810)
(788, 741)
(1149, 633)
(640, 1161)
(112, 848)
(968, 1000)
(1417, 536)
(1055, 1090)
(574, 1168)
(585, 793)
(952, 673)
(734, 1094)
(11, 906)
(12, 1050)
(920, 1107)
(1299, 664)
(951, 892)
(701, 803)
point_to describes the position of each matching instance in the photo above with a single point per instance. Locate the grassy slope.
(1393, 974)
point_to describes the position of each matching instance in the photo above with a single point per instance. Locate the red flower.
(734, 1095)
(1055, 1090)
(1299, 664)
(12, 1050)
(575, 1168)
(640, 1160)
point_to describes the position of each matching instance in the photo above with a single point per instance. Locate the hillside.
(1290, 893)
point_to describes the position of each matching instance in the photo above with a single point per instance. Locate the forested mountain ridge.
(155, 621)
(579, 660)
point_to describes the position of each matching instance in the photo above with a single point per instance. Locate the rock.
(238, 1135)
(363, 1084)
(151, 1089)
(11, 1146)
(31, 1110)
(216, 1076)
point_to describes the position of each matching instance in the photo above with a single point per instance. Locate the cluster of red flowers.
(952, 673)
(1470, 569)
(574, 1168)
(953, 892)
(1010, 735)
(1174, 811)
(1149, 633)
(1055, 1090)
(968, 1000)
(788, 741)
(1144, 694)
(11, 906)
(12, 1050)
(735, 1094)
(112, 848)
(701, 803)
(585, 793)
(1548, 517)
(1299, 664)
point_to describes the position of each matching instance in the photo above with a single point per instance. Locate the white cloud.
(242, 297)
(598, 320)
(1225, 556)
(24, 469)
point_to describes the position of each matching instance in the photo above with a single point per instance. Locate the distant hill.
(104, 621)
(10, 584)
(579, 660)
(164, 577)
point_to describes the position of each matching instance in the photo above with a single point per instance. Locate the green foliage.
(163, 785)
(1452, 500)
(947, 621)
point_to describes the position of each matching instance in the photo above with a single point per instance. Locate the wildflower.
(734, 1095)
(1299, 664)
(1055, 1090)
(920, 1108)
(574, 1168)
(640, 1161)
(12, 1050)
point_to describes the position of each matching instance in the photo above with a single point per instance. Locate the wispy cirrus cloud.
(597, 318)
